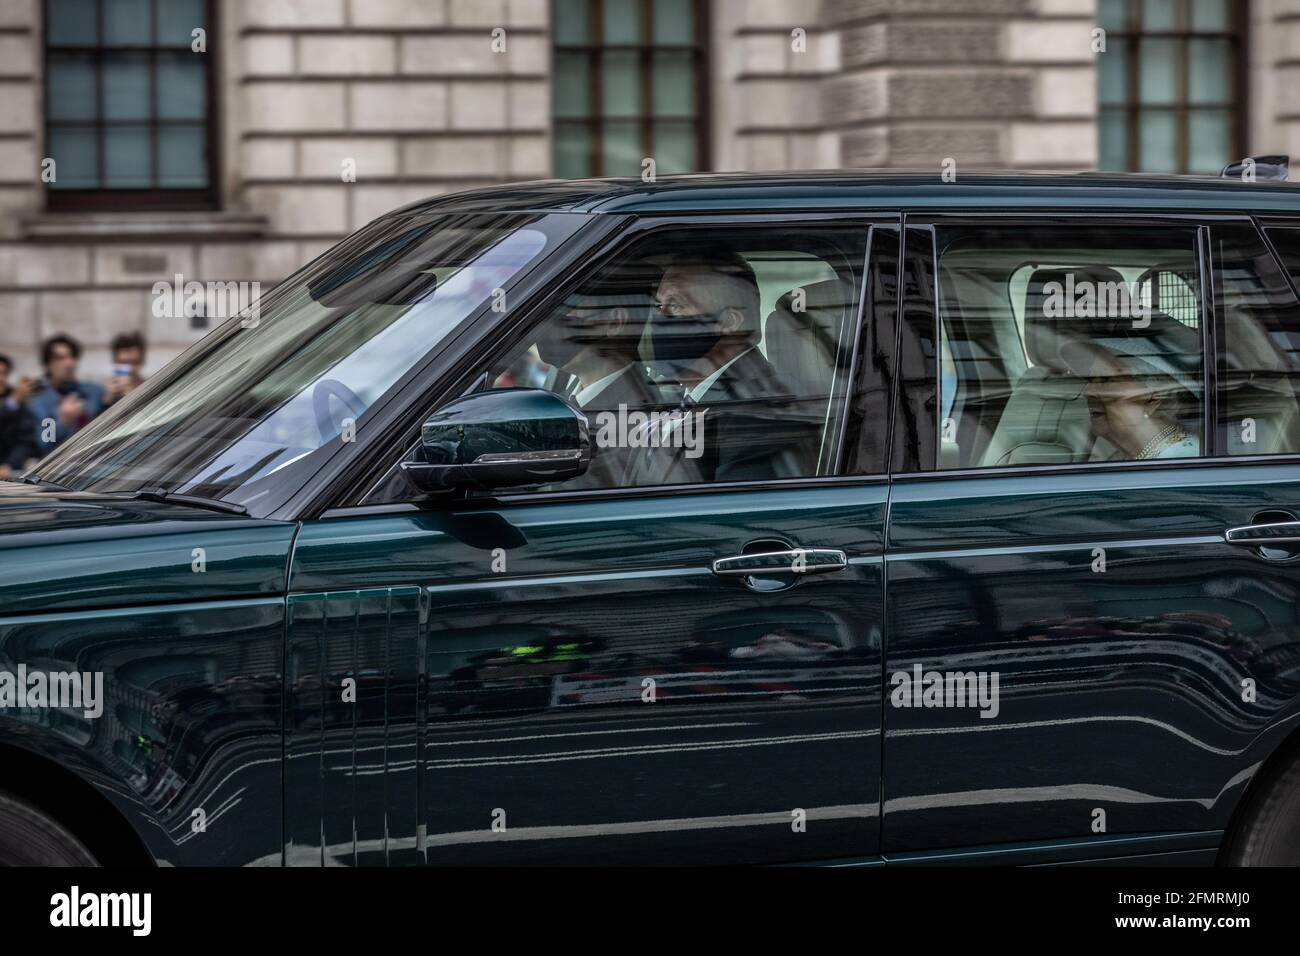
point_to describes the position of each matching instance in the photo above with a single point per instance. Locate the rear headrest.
(827, 294)
(1043, 333)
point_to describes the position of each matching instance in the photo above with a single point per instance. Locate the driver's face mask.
(680, 340)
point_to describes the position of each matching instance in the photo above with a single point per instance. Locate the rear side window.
(1259, 363)
(1068, 343)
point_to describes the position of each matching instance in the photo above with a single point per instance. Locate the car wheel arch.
(50, 786)
(1279, 757)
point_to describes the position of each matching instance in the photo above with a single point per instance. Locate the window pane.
(1159, 15)
(1158, 71)
(70, 87)
(571, 21)
(177, 19)
(1112, 73)
(621, 84)
(181, 160)
(1068, 344)
(1260, 361)
(1209, 79)
(1208, 134)
(622, 148)
(622, 21)
(180, 87)
(674, 84)
(126, 87)
(1157, 141)
(70, 21)
(572, 151)
(571, 84)
(126, 157)
(128, 22)
(1113, 140)
(1210, 15)
(1287, 244)
(700, 356)
(674, 21)
(1113, 14)
(76, 158)
(674, 149)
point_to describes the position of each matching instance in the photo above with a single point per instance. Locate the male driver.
(64, 401)
(707, 331)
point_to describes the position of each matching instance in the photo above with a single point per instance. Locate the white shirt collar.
(584, 395)
(699, 391)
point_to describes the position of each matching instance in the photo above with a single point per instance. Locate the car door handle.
(1262, 535)
(794, 561)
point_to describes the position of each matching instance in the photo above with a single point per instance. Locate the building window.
(628, 84)
(128, 104)
(1170, 87)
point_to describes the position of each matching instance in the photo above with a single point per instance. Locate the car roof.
(866, 190)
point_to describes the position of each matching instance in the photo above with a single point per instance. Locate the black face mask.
(685, 338)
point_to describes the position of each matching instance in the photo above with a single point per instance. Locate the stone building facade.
(323, 114)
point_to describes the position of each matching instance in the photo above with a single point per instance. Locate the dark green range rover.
(733, 519)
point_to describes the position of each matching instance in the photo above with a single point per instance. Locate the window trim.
(594, 121)
(508, 332)
(1116, 218)
(105, 199)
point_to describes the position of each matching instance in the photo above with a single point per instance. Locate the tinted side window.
(1287, 244)
(706, 355)
(1067, 344)
(1259, 362)
(699, 355)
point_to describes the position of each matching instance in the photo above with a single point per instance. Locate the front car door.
(571, 670)
(1076, 654)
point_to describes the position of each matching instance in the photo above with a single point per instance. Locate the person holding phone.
(128, 350)
(63, 401)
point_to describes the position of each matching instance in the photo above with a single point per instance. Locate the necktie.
(652, 465)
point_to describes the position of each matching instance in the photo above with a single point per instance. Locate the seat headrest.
(827, 294)
(1045, 333)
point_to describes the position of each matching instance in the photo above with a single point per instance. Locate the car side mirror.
(499, 439)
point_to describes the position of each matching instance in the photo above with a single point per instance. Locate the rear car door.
(1077, 657)
(617, 671)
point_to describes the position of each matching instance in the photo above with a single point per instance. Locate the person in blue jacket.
(64, 405)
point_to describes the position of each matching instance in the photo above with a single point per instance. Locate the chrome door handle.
(1262, 535)
(794, 561)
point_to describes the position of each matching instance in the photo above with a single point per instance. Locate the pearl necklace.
(1163, 438)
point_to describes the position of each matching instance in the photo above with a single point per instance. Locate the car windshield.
(298, 373)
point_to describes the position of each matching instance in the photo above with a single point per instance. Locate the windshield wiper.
(197, 501)
(43, 482)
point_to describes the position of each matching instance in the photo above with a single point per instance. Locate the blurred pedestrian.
(128, 350)
(17, 434)
(63, 405)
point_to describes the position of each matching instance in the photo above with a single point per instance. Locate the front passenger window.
(704, 355)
